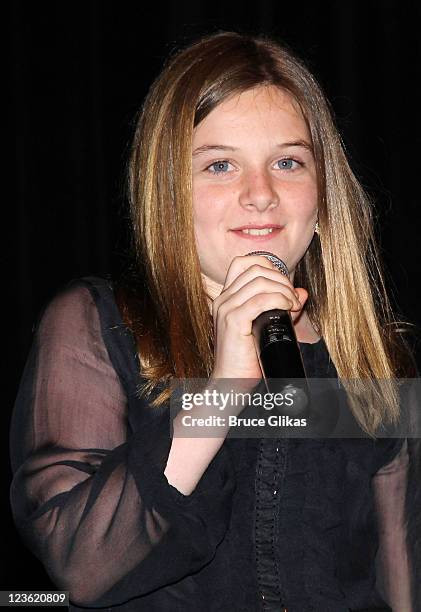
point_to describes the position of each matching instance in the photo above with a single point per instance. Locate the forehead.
(264, 107)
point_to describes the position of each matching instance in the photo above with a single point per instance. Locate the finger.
(252, 265)
(256, 286)
(243, 315)
(240, 263)
(303, 296)
(257, 272)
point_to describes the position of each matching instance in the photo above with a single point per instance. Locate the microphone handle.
(277, 346)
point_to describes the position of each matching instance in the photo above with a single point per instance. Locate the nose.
(257, 191)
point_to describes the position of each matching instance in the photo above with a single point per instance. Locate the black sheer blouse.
(312, 525)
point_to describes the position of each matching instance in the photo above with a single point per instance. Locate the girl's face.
(253, 170)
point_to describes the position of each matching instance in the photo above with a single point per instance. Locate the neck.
(304, 330)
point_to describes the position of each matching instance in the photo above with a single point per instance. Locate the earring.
(316, 228)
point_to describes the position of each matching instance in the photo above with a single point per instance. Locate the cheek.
(200, 209)
(209, 207)
(303, 202)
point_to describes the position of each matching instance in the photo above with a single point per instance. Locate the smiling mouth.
(256, 233)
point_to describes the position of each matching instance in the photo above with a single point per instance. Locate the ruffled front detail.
(295, 559)
(270, 483)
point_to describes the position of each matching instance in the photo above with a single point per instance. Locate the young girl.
(235, 151)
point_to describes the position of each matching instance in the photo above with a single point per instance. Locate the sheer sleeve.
(88, 495)
(397, 565)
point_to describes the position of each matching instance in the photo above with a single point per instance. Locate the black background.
(75, 77)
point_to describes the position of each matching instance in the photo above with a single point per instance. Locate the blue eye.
(219, 167)
(286, 164)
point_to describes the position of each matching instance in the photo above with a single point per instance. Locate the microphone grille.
(281, 265)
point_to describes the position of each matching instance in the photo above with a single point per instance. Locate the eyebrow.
(219, 147)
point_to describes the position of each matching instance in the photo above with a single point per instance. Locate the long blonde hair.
(165, 303)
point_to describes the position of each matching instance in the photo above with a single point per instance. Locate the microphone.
(277, 346)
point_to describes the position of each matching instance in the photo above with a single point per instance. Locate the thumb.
(302, 296)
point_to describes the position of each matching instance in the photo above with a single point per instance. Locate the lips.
(257, 232)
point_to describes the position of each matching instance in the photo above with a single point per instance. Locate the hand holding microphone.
(253, 285)
(275, 340)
